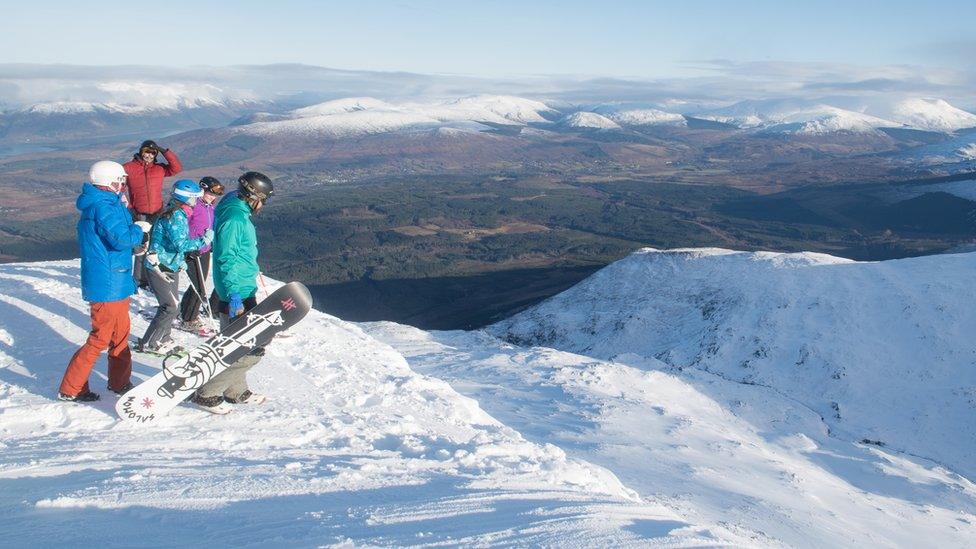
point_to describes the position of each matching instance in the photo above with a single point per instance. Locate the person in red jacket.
(145, 188)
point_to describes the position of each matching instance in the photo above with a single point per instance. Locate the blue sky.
(493, 38)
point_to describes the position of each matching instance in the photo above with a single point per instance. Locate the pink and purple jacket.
(201, 219)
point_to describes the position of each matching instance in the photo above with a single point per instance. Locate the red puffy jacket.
(146, 181)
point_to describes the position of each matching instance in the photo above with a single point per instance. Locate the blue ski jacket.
(170, 240)
(106, 236)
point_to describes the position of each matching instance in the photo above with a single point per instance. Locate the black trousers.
(190, 304)
(138, 269)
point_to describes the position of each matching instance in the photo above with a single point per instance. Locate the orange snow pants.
(110, 330)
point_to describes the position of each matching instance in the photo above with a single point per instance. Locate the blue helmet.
(184, 190)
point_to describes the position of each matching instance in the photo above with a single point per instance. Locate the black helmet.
(211, 185)
(255, 185)
(150, 145)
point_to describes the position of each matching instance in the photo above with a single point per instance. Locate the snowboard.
(182, 375)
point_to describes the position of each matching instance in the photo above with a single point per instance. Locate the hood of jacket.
(91, 195)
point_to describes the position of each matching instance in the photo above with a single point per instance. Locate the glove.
(208, 236)
(159, 149)
(145, 226)
(235, 306)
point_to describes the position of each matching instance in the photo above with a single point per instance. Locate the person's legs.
(166, 287)
(75, 381)
(138, 269)
(190, 304)
(119, 356)
(232, 382)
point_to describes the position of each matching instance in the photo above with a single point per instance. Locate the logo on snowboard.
(147, 402)
(288, 304)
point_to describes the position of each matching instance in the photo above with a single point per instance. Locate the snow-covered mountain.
(641, 116)
(382, 434)
(881, 351)
(843, 114)
(588, 120)
(933, 115)
(83, 123)
(359, 116)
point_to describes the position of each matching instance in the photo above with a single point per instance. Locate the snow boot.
(164, 349)
(122, 390)
(247, 397)
(214, 405)
(83, 397)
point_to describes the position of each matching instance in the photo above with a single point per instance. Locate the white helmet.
(106, 173)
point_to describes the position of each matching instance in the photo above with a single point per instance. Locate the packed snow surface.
(683, 398)
(355, 448)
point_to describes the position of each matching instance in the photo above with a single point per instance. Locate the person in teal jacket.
(235, 273)
(169, 241)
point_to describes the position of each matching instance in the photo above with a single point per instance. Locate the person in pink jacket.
(198, 262)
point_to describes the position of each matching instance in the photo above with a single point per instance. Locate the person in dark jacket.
(106, 237)
(169, 242)
(235, 271)
(198, 262)
(145, 187)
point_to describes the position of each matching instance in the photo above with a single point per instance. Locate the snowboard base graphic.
(182, 375)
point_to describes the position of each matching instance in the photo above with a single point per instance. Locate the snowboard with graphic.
(182, 375)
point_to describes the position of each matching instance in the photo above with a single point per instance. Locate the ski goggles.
(216, 188)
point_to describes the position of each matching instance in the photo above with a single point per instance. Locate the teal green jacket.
(235, 250)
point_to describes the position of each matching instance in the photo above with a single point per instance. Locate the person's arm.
(179, 234)
(115, 229)
(173, 165)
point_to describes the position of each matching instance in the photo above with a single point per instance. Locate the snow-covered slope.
(354, 448)
(882, 351)
(589, 120)
(967, 152)
(741, 455)
(386, 435)
(933, 114)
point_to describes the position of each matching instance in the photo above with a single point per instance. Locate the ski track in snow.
(355, 448)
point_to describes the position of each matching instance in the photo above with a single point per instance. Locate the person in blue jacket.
(169, 241)
(106, 237)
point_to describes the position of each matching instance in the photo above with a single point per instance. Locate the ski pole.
(203, 291)
(263, 287)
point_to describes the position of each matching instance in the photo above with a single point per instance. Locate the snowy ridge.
(353, 448)
(844, 115)
(364, 116)
(134, 98)
(646, 117)
(880, 350)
